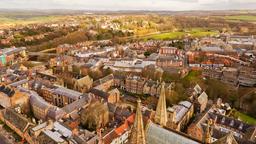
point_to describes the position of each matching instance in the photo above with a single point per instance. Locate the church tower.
(138, 133)
(161, 112)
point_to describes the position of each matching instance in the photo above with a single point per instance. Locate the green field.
(248, 18)
(196, 32)
(245, 118)
(6, 21)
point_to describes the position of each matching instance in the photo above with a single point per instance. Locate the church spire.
(161, 112)
(138, 134)
(208, 133)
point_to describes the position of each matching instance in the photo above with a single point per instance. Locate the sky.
(172, 5)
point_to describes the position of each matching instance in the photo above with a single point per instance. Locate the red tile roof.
(126, 125)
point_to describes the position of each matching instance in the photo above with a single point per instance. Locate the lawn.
(180, 34)
(249, 18)
(245, 118)
(170, 35)
(193, 76)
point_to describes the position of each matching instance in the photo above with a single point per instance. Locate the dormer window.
(232, 123)
(223, 120)
(241, 126)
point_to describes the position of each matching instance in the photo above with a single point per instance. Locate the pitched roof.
(203, 98)
(229, 122)
(103, 80)
(217, 134)
(16, 119)
(67, 92)
(7, 90)
(84, 81)
(100, 93)
(197, 89)
(109, 137)
(76, 105)
(156, 134)
(228, 139)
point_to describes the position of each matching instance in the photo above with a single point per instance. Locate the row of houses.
(10, 56)
(243, 76)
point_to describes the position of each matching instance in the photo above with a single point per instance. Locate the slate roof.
(18, 83)
(230, 122)
(103, 80)
(203, 98)
(100, 93)
(7, 90)
(156, 134)
(67, 92)
(16, 119)
(76, 105)
(217, 134)
(228, 139)
(83, 81)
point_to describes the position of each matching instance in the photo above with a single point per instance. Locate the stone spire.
(208, 133)
(138, 134)
(161, 112)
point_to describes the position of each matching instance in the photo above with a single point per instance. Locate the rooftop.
(9, 51)
(156, 134)
(7, 90)
(67, 92)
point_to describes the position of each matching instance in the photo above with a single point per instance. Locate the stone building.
(247, 76)
(58, 95)
(83, 84)
(112, 96)
(179, 115)
(95, 116)
(138, 132)
(166, 51)
(221, 126)
(12, 97)
(229, 75)
(134, 84)
(62, 96)
(212, 73)
(176, 117)
(10, 56)
(17, 122)
(169, 62)
(43, 110)
(51, 132)
(155, 134)
(152, 88)
(104, 83)
(161, 116)
(200, 99)
(170, 57)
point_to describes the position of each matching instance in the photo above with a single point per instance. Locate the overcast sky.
(174, 5)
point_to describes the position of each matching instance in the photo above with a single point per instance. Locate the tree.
(147, 53)
(95, 116)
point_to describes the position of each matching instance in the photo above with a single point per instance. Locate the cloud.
(129, 4)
